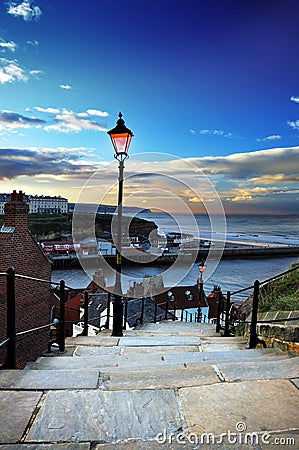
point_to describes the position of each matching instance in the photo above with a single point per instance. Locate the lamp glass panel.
(121, 142)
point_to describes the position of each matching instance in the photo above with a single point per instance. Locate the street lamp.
(121, 138)
(202, 267)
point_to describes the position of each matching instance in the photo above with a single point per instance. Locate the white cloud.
(273, 137)
(26, 10)
(67, 87)
(4, 45)
(36, 72)
(11, 71)
(96, 112)
(294, 99)
(214, 132)
(47, 110)
(225, 134)
(293, 124)
(66, 121)
(70, 122)
(34, 42)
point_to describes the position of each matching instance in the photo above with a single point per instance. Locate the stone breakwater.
(168, 259)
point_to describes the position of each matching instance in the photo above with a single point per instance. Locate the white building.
(47, 205)
(40, 204)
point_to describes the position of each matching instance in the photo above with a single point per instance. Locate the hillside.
(50, 227)
(281, 294)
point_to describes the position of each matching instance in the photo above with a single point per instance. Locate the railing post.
(142, 311)
(61, 340)
(253, 340)
(125, 315)
(174, 313)
(227, 309)
(166, 310)
(156, 310)
(85, 328)
(10, 361)
(108, 311)
(219, 300)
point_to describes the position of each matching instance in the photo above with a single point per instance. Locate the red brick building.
(19, 250)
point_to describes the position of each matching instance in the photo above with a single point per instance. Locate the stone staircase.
(169, 385)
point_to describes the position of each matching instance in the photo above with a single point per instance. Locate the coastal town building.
(19, 250)
(40, 204)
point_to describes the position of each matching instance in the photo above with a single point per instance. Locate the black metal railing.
(228, 317)
(145, 310)
(10, 342)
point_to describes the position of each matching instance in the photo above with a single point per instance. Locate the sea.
(229, 274)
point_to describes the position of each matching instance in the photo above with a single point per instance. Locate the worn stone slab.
(260, 405)
(49, 379)
(103, 340)
(225, 356)
(222, 347)
(177, 326)
(16, 408)
(79, 363)
(127, 351)
(261, 370)
(105, 416)
(161, 379)
(159, 341)
(222, 340)
(84, 350)
(76, 446)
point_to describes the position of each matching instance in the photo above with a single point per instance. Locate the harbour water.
(229, 274)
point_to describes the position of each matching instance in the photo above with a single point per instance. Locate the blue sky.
(215, 83)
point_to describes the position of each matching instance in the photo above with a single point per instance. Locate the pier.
(240, 252)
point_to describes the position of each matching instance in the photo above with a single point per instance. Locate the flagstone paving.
(158, 387)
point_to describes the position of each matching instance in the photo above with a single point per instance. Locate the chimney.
(16, 212)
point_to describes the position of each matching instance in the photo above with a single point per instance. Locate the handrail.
(34, 329)
(286, 319)
(224, 306)
(4, 342)
(268, 280)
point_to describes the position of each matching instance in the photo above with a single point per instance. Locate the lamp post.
(121, 138)
(202, 267)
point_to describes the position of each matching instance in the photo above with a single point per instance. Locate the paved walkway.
(167, 386)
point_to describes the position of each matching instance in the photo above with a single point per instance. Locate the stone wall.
(283, 335)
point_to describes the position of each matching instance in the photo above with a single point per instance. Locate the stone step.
(83, 364)
(141, 361)
(153, 341)
(126, 416)
(266, 369)
(169, 378)
(200, 375)
(84, 351)
(178, 326)
(49, 379)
